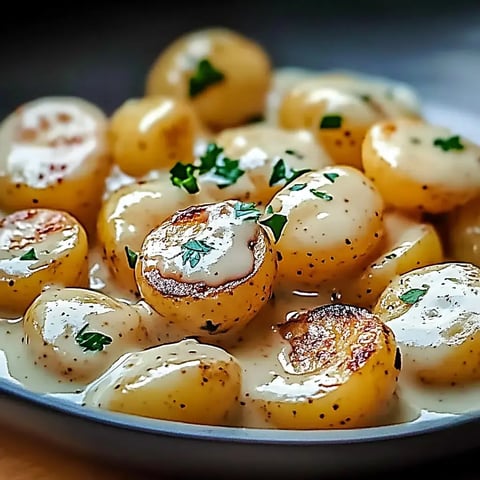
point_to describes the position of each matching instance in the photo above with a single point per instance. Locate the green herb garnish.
(331, 176)
(414, 295)
(205, 76)
(276, 224)
(269, 209)
(246, 211)
(446, 144)
(193, 250)
(297, 186)
(331, 121)
(391, 256)
(183, 176)
(132, 257)
(323, 195)
(214, 161)
(281, 171)
(294, 153)
(92, 341)
(30, 255)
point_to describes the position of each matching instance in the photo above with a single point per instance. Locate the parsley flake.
(414, 295)
(205, 76)
(30, 255)
(331, 176)
(92, 341)
(391, 256)
(297, 186)
(246, 211)
(183, 176)
(294, 153)
(276, 223)
(193, 250)
(281, 171)
(447, 144)
(214, 161)
(132, 257)
(331, 121)
(323, 195)
(269, 209)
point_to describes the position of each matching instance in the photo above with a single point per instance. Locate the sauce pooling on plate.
(286, 272)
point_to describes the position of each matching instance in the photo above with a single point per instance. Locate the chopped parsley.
(132, 257)
(414, 295)
(391, 256)
(193, 250)
(331, 121)
(269, 209)
(183, 176)
(294, 153)
(246, 211)
(323, 195)
(447, 144)
(281, 171)
(297, 186)
(92, 341)
(204, 76)
(30, 255)
(331, 176)
(276, 223)
(365, 98)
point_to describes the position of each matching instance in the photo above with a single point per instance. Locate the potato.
(78, 333)
(126, 217)
(185, 381)
(339, 108)
(208, 268)
(39, 248)
(152, 133)
(326, 225)
(463, 232)
(340, 369)
(408, 244)
(260, 148)
(433, 311)
(225, 75)
(420, 166)
(54, 154)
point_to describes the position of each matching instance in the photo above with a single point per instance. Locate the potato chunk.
(54, 153)
(39, 248)
(434, 314)
(185, 381)
(208, 268)
(340, 370)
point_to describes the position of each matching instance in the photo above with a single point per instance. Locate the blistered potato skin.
(439, 331)
(54, 153)
(343, 367)
(60, 248)
(413, 173)
(330, 237)
(196, 306)
(233, 101)
(185, 381)
(152, 133)
(56, 317)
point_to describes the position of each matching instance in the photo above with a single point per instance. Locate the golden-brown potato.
(39, 248)
(152, 133)
(338, 369)
(421, 166)
(185, 381)
(225, 75)
(208, 268)
(54, 153)
(433, 311)
(326, 225)
(78, 333)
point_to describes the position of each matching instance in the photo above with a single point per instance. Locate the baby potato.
(39, 248)
(185, 381)
(408, 244)
(421, 166)
(152, 133)
(225, 75)
(54, 154)
(433, 311)
(340, 370)
(325, 224)
(208, 268)
(261, 148)
(339, 109)
(463, 232)
(78, 333)
(126, 217)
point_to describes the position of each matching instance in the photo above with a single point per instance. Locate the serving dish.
(187, 449)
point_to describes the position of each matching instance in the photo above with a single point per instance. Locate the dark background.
(102, 51)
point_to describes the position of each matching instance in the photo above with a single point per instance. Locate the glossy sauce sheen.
(257, 349)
